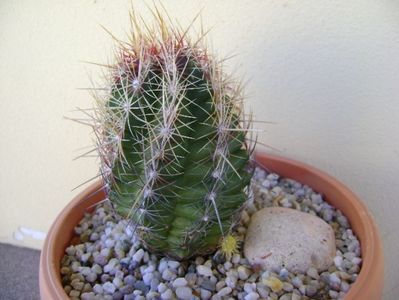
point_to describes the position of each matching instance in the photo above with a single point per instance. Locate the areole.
(368, 285)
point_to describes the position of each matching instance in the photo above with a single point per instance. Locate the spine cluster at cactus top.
(172, 141)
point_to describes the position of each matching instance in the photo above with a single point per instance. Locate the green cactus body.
(172, 144)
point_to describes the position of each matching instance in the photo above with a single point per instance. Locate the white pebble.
(204, 270)
(334, 279)
(231, 279)
(220, 285)
(338, 261)
(91, 277)
(178, 282)
(162, 287)
(167, 295)
(173, 264)
(263, 292)
(249, 287)
(344, 286)
(296, 281)
(312, 272)
(224, 291)
(205, 294)
(109, 243)
(138, 256)
(97, 269)
(184, 293)
(236, 258)
(333, 294)
(168, 275)
(227, 265)
(109, 288)
(98, 289)
(252, 296)
(147, 277)
(356, 260)
(243, 272)
(163, 265)
(84, 271)
(85, 257)
(117, 282)
(283, 273)
(70, 250)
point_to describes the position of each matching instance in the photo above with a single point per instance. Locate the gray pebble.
(141, 286)
(87, 296)
(199, 260)
(286, 297)
(67, 289)
(191, 278)
(126, 289)
(74, 293)
(75, 266)
(312, 272)
(311, 290)
(302, 289)
(77, 285)
(208, 285)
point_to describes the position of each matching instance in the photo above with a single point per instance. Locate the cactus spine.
(172, 141)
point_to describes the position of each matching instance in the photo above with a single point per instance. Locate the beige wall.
(327, 72)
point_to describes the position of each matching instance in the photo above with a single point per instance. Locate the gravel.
(109, 260)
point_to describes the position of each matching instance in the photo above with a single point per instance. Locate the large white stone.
(283, 237)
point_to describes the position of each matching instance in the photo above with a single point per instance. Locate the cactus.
(172, 141)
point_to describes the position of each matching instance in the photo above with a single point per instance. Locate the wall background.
(326, 72)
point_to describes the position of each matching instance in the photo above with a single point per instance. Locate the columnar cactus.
(172, 141)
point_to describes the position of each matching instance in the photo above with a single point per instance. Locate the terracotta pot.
(368, 285)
